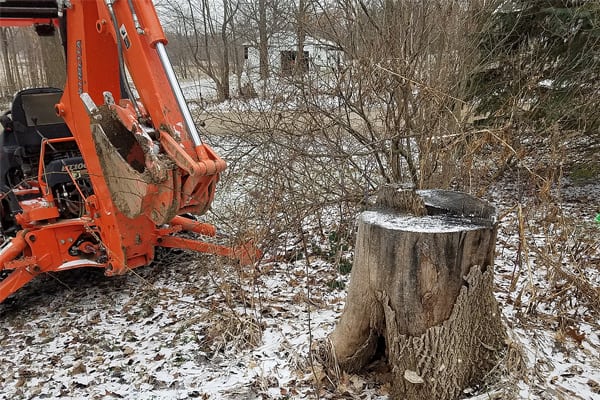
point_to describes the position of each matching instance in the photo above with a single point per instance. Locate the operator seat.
(30, 119)
(32, 112)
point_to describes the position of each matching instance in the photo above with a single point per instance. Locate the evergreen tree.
(542, 64)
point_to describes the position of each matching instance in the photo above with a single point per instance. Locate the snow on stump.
(422, 286)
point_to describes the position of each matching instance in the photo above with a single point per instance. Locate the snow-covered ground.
(550, 295)
(186, 327)
(196, 326)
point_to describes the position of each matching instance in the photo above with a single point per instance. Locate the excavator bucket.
(132, 187)
(99, 174)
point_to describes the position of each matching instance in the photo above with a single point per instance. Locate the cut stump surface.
(424, 284)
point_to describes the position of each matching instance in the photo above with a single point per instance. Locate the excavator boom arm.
(145, 163)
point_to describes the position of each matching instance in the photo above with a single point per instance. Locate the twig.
(308, 302)
(491, 395)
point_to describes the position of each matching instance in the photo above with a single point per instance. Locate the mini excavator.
(110, 168)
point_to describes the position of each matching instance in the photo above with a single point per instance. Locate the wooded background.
(479, 96)
(419, 83)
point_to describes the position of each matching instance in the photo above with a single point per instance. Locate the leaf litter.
(194, 326)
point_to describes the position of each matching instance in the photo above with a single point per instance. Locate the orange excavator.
(108, 169)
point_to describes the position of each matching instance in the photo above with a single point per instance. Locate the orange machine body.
(145, 167)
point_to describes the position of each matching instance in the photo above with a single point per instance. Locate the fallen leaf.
(413, 377)
(78, 368)
(575, 335)
(357, 382)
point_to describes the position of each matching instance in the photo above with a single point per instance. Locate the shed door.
(288, 62)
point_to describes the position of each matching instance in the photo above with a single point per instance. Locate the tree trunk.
(7, 63)
(14, 54)
(301, 38)
(53, 56)
(422, 285)
(263, 49)
(224, 91)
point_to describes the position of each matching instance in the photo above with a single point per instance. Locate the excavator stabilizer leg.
(15, 279)
(247, 254)
(13, 282)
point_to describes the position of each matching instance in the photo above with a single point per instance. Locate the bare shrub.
(400, 91)
(229, 332)
(284, 169)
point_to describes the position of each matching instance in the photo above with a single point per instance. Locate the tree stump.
(422, 289)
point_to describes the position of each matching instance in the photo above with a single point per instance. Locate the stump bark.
(422, 286)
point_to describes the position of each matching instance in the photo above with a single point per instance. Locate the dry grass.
(290, 170)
